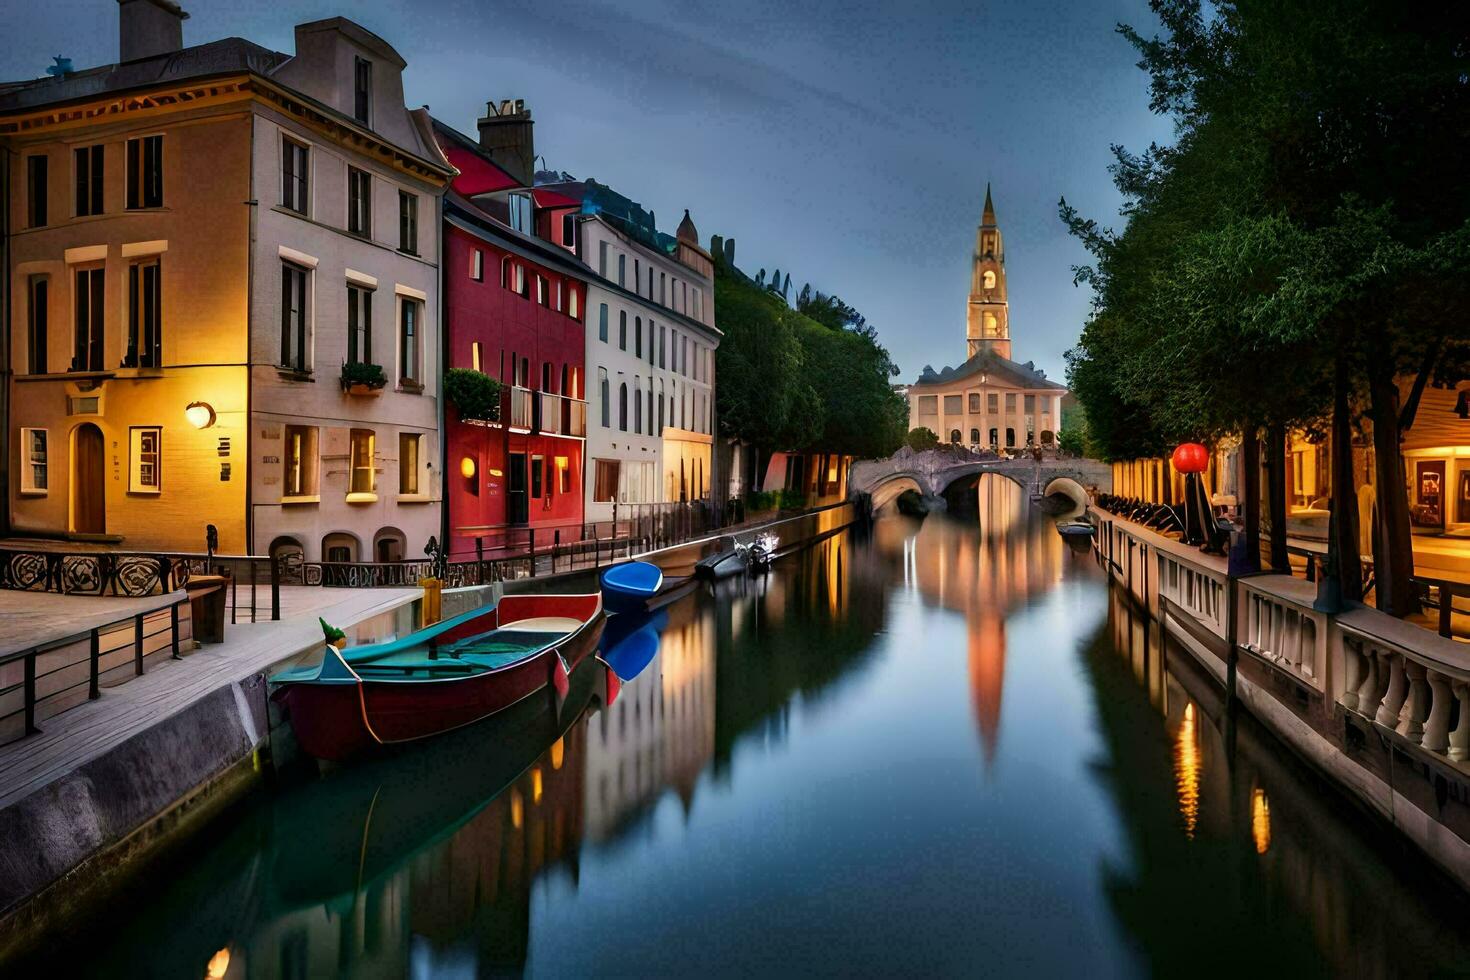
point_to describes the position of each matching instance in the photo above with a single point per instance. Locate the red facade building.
(514, 309)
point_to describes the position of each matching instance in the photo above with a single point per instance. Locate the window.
(87, 302)
(622, 269)
(953, 405)
(39, 289)
(637, 274)
(1030, 402)
(954, 436)
(574, 303)
(293, 317)
(974, 437)
(650, 282)
(992, 326)
(363, 476)
(1010, 438)
(661, 332)
(623, 407)
(299, 462)
(145, 172)
(36, 190)
(974, 403)
(359, 325)
(408, 462)
(33, 468)
(1010, 401)
(145, 321)
(637, 406)
(362, 90)
(602, 323)
(143, 452)
(603, 396)
(994, 437)
(295, 167)
(408, 222)
(605, 480)
(518, 280)
(638, 337)
(569, 229)
(622, 329)
(477, 265)
(477, 357)
(602, 259)
(564, 474)
(992, 404)
(989, 279)
(557, 293)
(408, 340)
(541, 290)
(538, 466)
(661, 400)
(520, 212)
(663, 288)
(87, 163)
(928, 404)
(359, 202)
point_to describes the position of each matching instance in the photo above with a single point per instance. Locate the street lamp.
(200, 414)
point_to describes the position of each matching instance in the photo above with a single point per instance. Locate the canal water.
(945, 749)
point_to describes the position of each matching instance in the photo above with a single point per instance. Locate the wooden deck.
(80, 734)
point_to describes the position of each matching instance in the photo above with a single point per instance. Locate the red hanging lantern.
(1191, 457)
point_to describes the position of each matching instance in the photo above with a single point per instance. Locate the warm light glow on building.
(536, 785)
(467, 467)
(558, 752)
(200, 415)
(1187, 770)
(517, 809)
(1260, 820)
(219, 964)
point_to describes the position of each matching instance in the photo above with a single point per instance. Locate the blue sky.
(847, 143)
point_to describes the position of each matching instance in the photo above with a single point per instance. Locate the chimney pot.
(507, 138)
(149, 27)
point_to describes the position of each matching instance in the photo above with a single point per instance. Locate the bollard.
(432, 605)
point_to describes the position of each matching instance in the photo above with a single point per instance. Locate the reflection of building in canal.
(660, 732)
(461, 903)
(984, 573)
(1247, 840)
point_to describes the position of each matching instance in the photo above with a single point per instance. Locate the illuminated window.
(605, 480)
(992, 325)
(989, 279)
(574, 303)
(363, 479)
(299, 462)
(144, 456)
(476, 356)
(477, 265)
(33, 470)
(409, 444)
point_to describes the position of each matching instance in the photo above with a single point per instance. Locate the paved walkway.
(31, 618)
(80, 734)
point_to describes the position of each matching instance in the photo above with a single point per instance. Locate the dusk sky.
(846, 143)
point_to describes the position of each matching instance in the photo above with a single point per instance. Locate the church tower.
(988, 326)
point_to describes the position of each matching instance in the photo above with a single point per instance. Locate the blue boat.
(627, 587)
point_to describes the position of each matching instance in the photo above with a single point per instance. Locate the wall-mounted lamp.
(467, 467)
(199, 414)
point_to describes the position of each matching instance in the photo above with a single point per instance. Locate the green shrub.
(921, 439)
(792, 500)
(474, 394)
(357, 373)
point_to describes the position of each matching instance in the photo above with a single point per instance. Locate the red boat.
(439, 678)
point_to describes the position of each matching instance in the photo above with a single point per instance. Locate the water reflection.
(1015, 558)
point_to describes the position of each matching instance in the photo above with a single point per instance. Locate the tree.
(921, 439)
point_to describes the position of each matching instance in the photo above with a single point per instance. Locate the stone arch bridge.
(931, 472)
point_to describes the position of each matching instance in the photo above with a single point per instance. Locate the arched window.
(623, 406)
(638, 337)
(622, 329)
(660, 406)
(1010, 438)
(602, 387)
(505, 273)
(974, 437)
(994, 437)
(992, 326)
(989, 279)
(339, 546)
(637, 406)
(954, 436)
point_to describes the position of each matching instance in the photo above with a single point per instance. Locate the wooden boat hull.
(336, 722)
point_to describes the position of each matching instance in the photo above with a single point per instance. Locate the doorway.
(517, 505)
(88, 481)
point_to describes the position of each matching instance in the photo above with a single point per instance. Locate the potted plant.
(474, 394)
(363, 379)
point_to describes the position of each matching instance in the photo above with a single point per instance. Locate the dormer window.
(362, 90)
(520, 212)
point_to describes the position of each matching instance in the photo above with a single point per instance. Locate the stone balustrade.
(1279, 625)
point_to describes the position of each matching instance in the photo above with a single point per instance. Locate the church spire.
(988, 325)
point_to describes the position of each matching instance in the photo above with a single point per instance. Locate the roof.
(992, 365)
(462, 212)
(223, 57)
(687, 233)
(547, 198)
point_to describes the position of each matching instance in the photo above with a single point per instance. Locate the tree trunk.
(1426, 370)
(1393, 561)
(1344, 493)
(1276, 495)
(1250, 491)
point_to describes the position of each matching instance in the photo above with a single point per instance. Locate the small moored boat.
(439, 678)
(729, 559)
(627, 587)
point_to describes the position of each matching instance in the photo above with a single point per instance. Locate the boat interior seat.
(545, 624)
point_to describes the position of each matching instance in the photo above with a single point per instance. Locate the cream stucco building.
(200, 239)
(988, 401)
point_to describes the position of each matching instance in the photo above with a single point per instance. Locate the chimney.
(149, 27)
(505, 135)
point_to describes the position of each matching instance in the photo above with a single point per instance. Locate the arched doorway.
(388, 545)
(974, 437)
(88, 481)
(289, 552)
(954, 436)
(1046, 438)
(339, 547)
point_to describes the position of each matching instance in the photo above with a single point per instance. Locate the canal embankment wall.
(1378, 705)
(172, 750)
